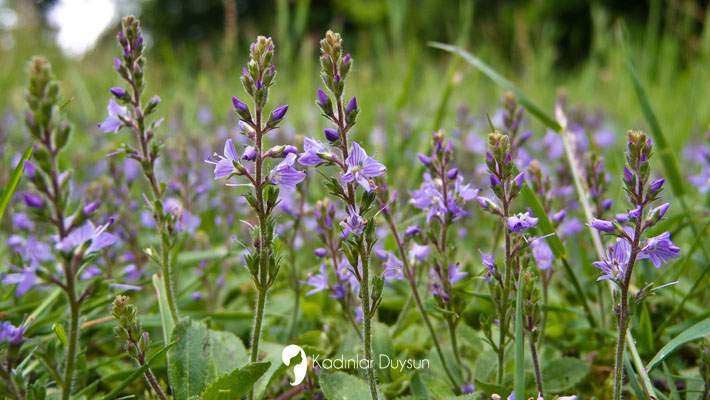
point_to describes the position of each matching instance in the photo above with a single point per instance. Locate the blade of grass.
(519, 378)
(697, 331)
(582, 193)
(9, 190)
(166, 318)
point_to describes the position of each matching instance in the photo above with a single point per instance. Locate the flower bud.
(33, 200)
(452, 173)
(118, 92)
(249, 153)
(412, 231)
(91, 207)
(320, 252)
(331, 134)
(426, 160)
(656, 186)
(603, 225)
(279, 113)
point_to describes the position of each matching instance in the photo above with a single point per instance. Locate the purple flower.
(420, 252)
(613, 266)
(33, 200)
(249, 153)
(25, 279)
(320, 252)
(542, 253)
(354, 223)
(490, 263)
(11, 334)
(311, 149)
(659, 249)
(113, 122)
(351, 106)
(392, 268)
(319, 281)
(468, 388)
(196, 296)
(361, 167)
(225, 166)
(412, 231)
(22, 221)
(424, 159)
(331, 134)
(323, 98)
(239, 105)
(279, 113)
(656, 185)
(285, 175)
(88, 233)
(521, 222)
(455, 273)
(559, 216)
(90, 272)
(118, 91)
(603, 225)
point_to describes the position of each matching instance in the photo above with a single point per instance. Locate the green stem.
(536, 368)
(168, 281)
(366, 325)
(519, 380)
(72, 339)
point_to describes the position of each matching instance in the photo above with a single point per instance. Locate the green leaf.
(200, 356)
(697, 331)
(562, 374)
(136, 373)
(235, 384)
(60, 333)
(519, 377)
(9, 190)
(341, 386)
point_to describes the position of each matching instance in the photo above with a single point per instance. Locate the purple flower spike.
(352, 105)
(361, 167)
(331, 134)
(33, 200)
(603, 225)
(521, 222)
(659, 249)
(279, 113)
(285, 175)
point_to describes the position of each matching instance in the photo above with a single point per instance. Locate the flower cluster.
(629, 227)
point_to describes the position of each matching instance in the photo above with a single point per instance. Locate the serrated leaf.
(200, 356)
(564, 373)
(341, 386)
(697, 331)
(235, 384)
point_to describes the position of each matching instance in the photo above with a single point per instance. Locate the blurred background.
(196, 48)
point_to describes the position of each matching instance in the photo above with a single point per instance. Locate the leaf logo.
(300, 369)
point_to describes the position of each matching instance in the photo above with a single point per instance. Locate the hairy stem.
(72, 339)
(366, 324)
(536, 368)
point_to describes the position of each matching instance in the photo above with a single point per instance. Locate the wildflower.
(331, 134)
(542, 253)
(354, 223)
(319, 281)
(521, 222)
(311, 149)
(113, 121)
(455, 273)
(392, 268)
(33, 200)
(11, 334)
(96, 236)
(613, 266)
(490, 263)
(420, 252)
(25, 279)
(659, 249)
(285, 175)
(226, 165)
(361, 167)
(603, 225)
